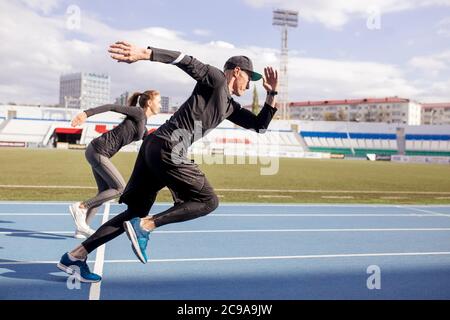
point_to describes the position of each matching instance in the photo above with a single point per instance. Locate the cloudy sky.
(341, 49)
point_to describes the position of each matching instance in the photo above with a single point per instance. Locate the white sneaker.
(79, 216)
(84, 233)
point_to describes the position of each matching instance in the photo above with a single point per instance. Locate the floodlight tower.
(285, 19)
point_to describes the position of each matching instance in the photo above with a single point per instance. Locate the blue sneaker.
(138, 238)
(78, 268)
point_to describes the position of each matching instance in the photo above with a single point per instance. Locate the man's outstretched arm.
(128, 53)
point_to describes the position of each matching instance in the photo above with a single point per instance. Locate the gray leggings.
(109, 180)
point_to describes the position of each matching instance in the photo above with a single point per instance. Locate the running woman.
(162, 157)
(98, 153)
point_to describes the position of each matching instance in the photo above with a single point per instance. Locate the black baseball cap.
(244, 63)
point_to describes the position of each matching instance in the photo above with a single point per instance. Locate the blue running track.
(238, 252)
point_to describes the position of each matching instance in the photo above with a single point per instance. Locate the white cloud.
(334, 14)
(162, 33)
(45, 6)
(221, 44)
(443, 27)
(327, 79)
(432, 64)
(33, 61)
(435, 91)
(202, 32)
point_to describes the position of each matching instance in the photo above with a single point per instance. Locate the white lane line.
(44, 187)
(242, 204)
(337, 197)
(32, 203)
(257, 214)
(317, 215)
(249, 190)
(313, 256)
(274, 196)
(94, 292)
(394, 198)
(32, 214)
(253, 230)
(427, 211)
(34, 232)
(305, 230)
(336, 191)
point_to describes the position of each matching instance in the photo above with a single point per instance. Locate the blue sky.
(333, 53)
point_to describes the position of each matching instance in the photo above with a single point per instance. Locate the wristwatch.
(272, 93)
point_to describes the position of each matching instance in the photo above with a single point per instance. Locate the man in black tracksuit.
(162, 158)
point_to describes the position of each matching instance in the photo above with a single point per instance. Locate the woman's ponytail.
(142, 98)
(133, 100)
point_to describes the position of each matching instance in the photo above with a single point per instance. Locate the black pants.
(159, 164)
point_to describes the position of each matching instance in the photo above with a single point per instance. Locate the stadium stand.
(240, 142)
(41, 127)
(366, 138)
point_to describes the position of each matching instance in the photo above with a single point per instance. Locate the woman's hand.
(123, 51)
(79, 119)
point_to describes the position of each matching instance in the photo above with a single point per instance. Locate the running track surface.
(240, 251)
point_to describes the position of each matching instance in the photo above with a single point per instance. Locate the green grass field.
(29, 175)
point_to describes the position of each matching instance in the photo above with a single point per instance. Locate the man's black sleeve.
(248, 120)
(136, 113)
(200, 72)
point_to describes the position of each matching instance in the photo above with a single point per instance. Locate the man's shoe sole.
(129, 230)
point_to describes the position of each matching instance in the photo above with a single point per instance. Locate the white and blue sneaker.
(138, 238)
(79, 268)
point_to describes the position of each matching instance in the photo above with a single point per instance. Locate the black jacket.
(209, 104)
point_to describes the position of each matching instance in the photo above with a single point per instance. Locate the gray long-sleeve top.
(132, 128)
